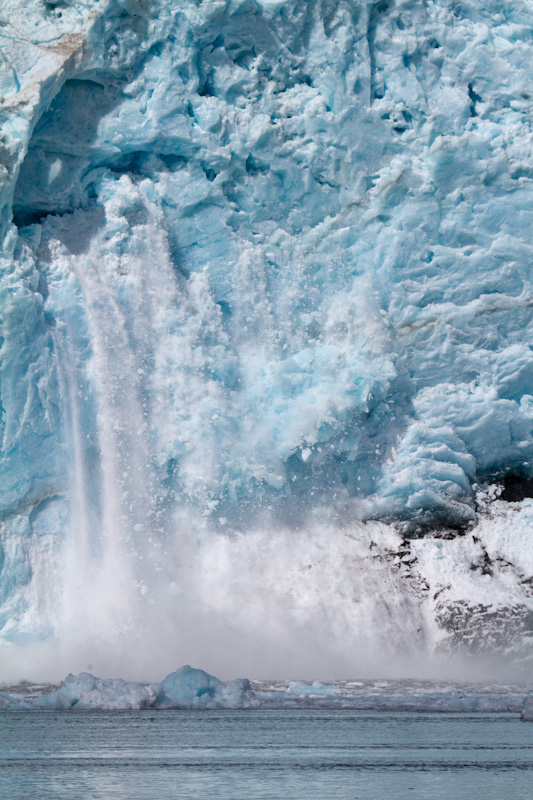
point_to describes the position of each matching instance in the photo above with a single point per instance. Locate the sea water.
(300, 754)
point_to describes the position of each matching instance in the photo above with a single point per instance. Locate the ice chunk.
(527, 711)
(315, 688)
(194, 688)
(189, 688)
(184, 688)
(85, 692)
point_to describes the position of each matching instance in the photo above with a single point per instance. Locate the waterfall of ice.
(113, 551)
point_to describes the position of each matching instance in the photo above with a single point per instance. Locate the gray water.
(243, 755)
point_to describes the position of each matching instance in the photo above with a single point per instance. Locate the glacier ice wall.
(264, 262)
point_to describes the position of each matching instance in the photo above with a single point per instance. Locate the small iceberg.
(194, 688)
(185, 688)
(315, 688)
(527, 711)
(190, 688)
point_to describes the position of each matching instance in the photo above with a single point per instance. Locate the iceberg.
(186, 688)
(266, 272)
(527, 710)
(194, 689)
(87, 693)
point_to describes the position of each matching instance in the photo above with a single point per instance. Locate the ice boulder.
(85, 692)
(194, 688)
(527, 711)
(315, 688)
(7, 701)
(186, 688)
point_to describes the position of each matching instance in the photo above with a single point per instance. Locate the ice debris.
(184, 688)
(190, 688)
(527, 711)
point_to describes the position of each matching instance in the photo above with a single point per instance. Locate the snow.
(266, 270)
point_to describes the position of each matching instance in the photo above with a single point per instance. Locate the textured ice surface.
(184, 688)
(527, 711)
(266, 266)
(195, 689)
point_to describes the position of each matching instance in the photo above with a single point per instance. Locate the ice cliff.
(266, 282)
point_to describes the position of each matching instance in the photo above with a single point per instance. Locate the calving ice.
(266, 358)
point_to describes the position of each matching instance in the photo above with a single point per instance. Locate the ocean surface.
(298, 754)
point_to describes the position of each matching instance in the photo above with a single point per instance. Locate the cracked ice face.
(338, 197)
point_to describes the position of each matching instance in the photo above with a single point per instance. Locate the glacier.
(266, 374)
(195, 689)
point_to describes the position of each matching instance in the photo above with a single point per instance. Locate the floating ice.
(184, 688)
(189, 688)
(527, 711)
(85, 692)
(194, 688)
